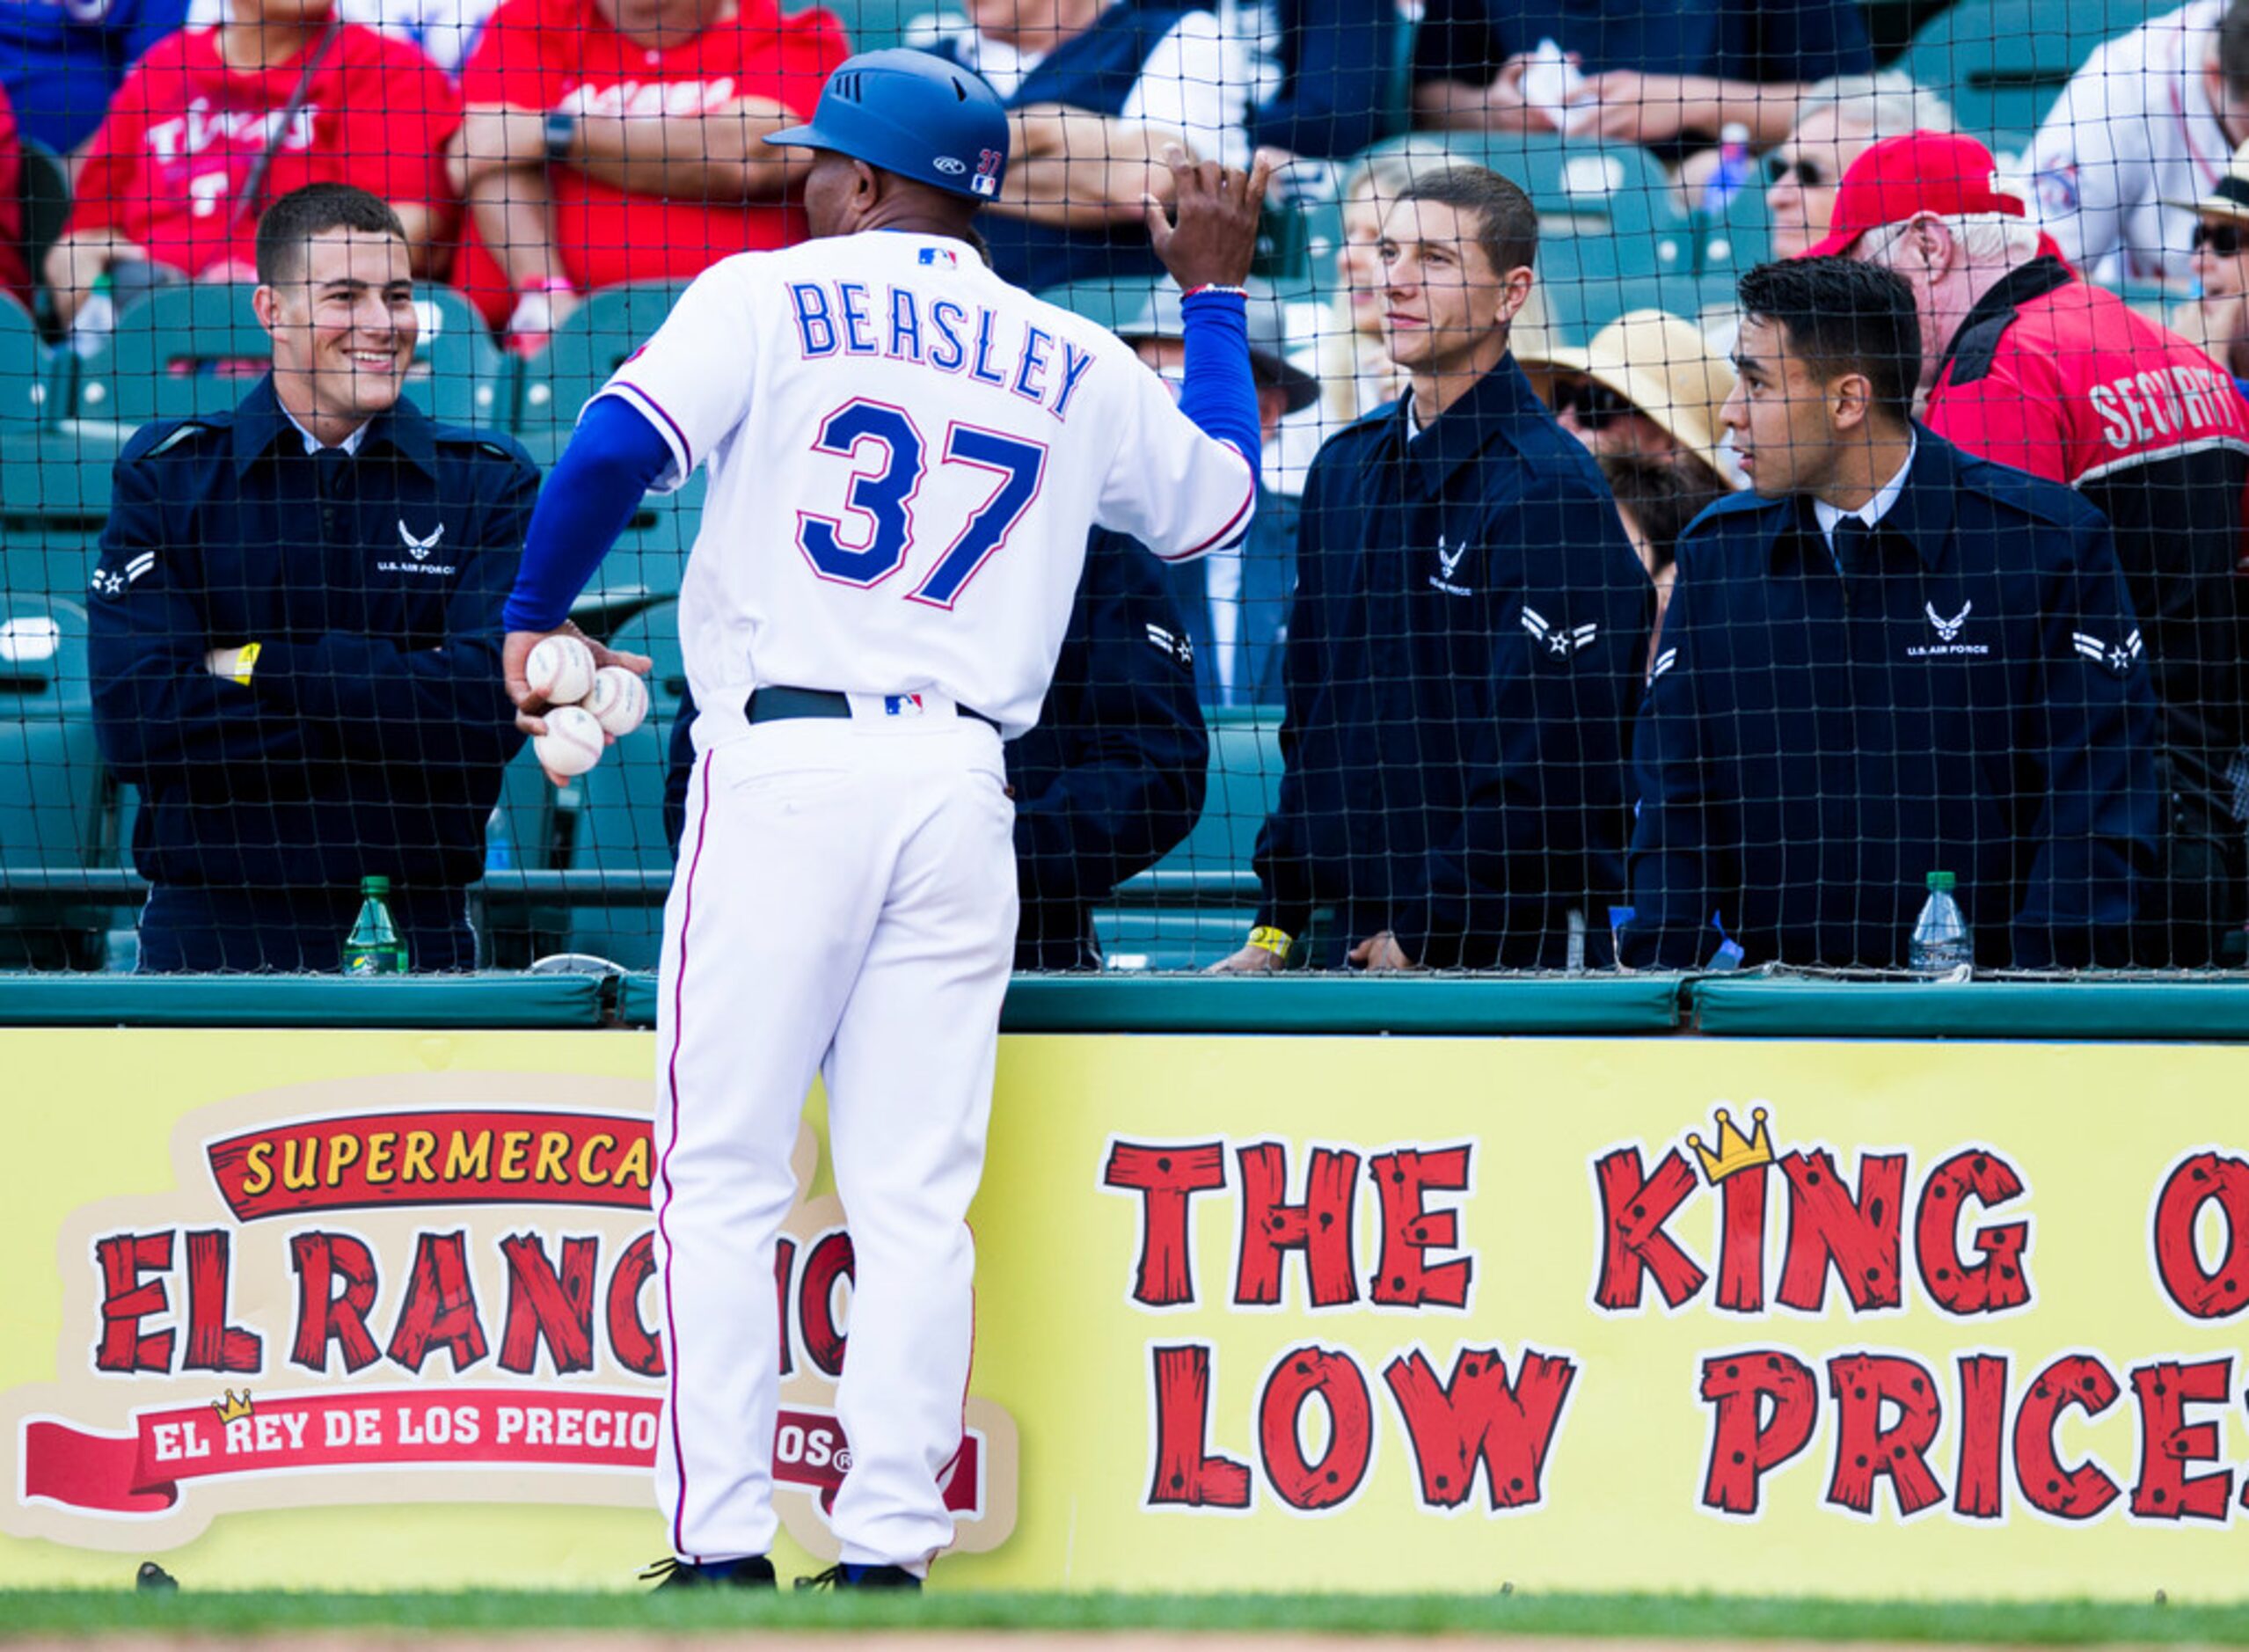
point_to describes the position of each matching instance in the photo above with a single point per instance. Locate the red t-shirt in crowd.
(13, 277)
(537, 54)
(168, 167)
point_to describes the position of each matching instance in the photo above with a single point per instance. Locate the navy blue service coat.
(371, 736)
(1974, 698)
(1464, 652)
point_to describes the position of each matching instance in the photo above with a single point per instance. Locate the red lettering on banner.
(1997, 1283)
(1404, 1277)
(325, 1314)
(1741, 1240)
(2197, 1181)
(2075, 1381)
(1321, 1227)
(828, 1264)
(785, 1268)
(1764, 1404)
(441, 1306)
(212, 1343)
(545, 1305)
(1864, 1450)
(1166, 1178)
(1478, 1416)
(631, 1339)
(393, 1428)
(1633, 1210)
(1860, 1235)
(1331, 1376)
(1979, 1489)
(126, 1300)
(1189, 1475)
(468, 1157)
(2169, 1442)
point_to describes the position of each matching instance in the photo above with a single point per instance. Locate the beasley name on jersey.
(844, 319)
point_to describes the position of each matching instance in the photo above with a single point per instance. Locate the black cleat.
(852, 1575)
(152, 1576)
(756, 1572)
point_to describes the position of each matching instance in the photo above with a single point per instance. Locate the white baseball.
(572, 741)
(560, 670)
(619, 700)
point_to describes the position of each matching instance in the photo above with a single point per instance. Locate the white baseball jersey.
(906, 454)
(2133, 134)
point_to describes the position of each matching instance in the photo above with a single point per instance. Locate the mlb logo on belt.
(901, 706)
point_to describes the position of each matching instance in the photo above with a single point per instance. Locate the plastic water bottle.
(1733, 173)
(1940, 949)
(374, 948)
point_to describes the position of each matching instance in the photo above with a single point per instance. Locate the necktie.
(1854, 543)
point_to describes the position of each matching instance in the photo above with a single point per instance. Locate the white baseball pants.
(846, 904)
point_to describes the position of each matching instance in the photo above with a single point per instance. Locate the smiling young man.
(1466, 641)
(1891, 659)
(296, 627)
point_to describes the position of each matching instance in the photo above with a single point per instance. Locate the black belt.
(780, 704)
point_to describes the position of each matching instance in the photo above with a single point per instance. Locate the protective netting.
(1425, 714)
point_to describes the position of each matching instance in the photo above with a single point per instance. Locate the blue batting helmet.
(913, 113)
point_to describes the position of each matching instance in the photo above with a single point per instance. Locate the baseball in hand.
(619, 700)
(560, 670)
(572, 741)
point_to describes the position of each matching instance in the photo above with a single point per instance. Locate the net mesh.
(1425, 714)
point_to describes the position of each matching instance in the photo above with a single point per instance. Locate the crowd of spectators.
(1449, 798)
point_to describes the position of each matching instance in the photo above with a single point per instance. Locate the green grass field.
(1707, 1618)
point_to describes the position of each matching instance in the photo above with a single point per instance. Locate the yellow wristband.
(246, 661)
(1265, 938)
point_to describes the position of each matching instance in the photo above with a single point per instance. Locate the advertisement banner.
(1884, 1320)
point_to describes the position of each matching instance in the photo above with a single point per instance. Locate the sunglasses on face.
(1595, 406)
(2223, 240)
(1806, 174)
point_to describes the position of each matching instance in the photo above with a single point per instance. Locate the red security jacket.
(2062, 379)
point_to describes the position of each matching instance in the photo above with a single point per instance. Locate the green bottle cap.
(374, 886)
(1940, 880)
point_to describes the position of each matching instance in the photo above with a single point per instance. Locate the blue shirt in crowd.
(1463, 654)
(1338, 61)
(1761, 41)
(1968, 694)
(1094, 71)
(60, 59)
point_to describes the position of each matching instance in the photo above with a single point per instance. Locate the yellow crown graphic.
(1735, 1152)
(234, 1408)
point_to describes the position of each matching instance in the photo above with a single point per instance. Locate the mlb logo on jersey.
(901, 706)
(941, 255)
(986, 182)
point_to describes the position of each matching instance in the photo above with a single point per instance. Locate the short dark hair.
(2233, 47)
(302, 213)
(1842, 315)
(1506, 225)
(1663, 495)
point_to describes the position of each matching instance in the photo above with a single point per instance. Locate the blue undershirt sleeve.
(1220, 396)
(614, 458)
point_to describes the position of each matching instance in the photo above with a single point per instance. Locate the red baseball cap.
(1900, 177)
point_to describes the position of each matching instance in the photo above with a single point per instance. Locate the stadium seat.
(615, 814)
(23, 369)
(2003, 62)
(584, 351)
(180, 351)
(1190, 930)
(53, 500)
(53, 788)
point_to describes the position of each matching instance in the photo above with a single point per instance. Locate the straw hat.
(2229, 197)
(1659, 364)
